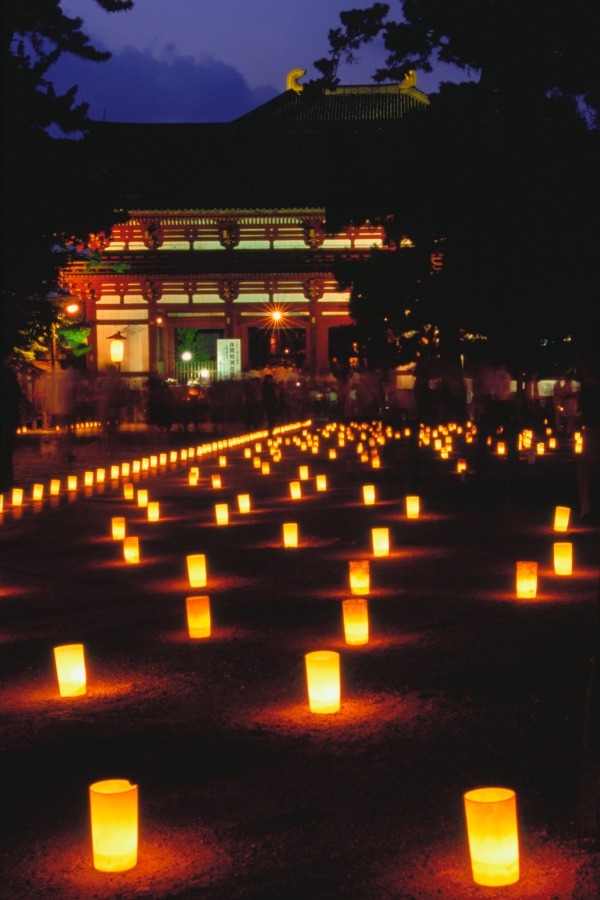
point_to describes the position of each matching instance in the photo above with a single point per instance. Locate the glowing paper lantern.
(153, 462)
(256, 462)
(295, 490)
(145, 464)
(563, 558)
(100, 476)
(303, 473)
(193, 476)
(162, 459)
(198, 616)
(359, 575)
(247, 453)
(17, 497)
(70, 670)
(37, 492)
(128, 491)
(413, 507)
(491, 815)
(368, 494)
(142, 497)
(321, 482)
(323, 679)
(562, 515)
(55, 487)
(381, 541)
(375, 462)
(461, 466)
(153, 511)
(114, 821)
(265, 468)
(222, 513)
(173, 456)
(216, 481)
(72, 483)
(118, 528)
(243, 503)
(196, 565)
(131, 550)
(88, 479)
(125, 469)
(222, 461)
(356, 620)
(527, 579)
(290, 534)
(114, 472)
(501, 448)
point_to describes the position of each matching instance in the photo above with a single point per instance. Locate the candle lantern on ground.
(70, 670)
(381, 541)
(17, 497)
(196, 565)
(72, 482)
(118, 528)
(303, 473)
(413, 507)
(55, 487)
(222, 513)
(323, 678)
(527, 571)
(491, 815)
(562, 515)
(142, 498)
(244, 503)
(88, 479)
(114, 824)
(321, 482)
(359, 575)
(368, 494)
(295, 490)
(38, 492)
(563, 558)
(290, 534)
(131, 550)
(355, 613)
(153, 511)
(198, 616)
(128, 491)
(216, 481)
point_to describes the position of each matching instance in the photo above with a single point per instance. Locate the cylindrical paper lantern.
(323, 678)
(527, 579)
(193, 476)
(321, 482)
(88, 479)
(359, 574)
(381, 541)
(72, 482)
(55, 487)
(70, 670)
(356, 620)
(290, 534)
(332, 453)
(198, 616)
(562, 515)
(142, 497)
(196, 564)
(153, 511)
(125, 469)
(491, 815)
(413, 507)
(114, 821)
(295, 490)
(128, 491)
(563, 558)
(118, 528)
(303, 473)
(222, 461)
(131, 550)
(115, 471)
(17, 497)
(243, 503)
(368, 494)
(265, 468)
(100, 476)
(162, 459)
(37, 492)
(216, 481)
(222, 513)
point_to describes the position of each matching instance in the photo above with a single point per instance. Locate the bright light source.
(186, 356)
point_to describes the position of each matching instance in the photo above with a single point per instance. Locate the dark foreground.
(243, 792)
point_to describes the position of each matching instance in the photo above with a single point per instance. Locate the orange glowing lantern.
(295, 490)
(381, 541)
(145, 464)
(256, 462)
(222, 461)
(247, 453)
(360, 576)
(162, 459)
(265, 468)
(323, 678)
(563, 558)
(198, 616)
(413, 507)
(527, 579)
(562, 515)
(461, 466)
(356, 620)
(100, 476)
(491, 815)
(115, 471)
(332, 453)
(118, 528)
(303, 473)
(321, 482)
(368, 494)
(131, 550)
(37, 492)
(125, 469)
(114, 822)
(375, 462)
(128, 491)
(142, 498)
(173, 456)
(193, 476)
(55, 487)
(215, 481)
(153, 511)
(72, 483)
(70, 670)
(290, 534)
(243, 503)
(501, 448)
(222, 513)
(17, 497)
(196, 565)
(88, 479)
(154, 462)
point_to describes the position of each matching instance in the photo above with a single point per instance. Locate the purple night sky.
(207, 60)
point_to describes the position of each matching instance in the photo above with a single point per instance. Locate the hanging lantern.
(303, 473)
(153, 511)
(117, 348)
(222, 513)
(323, 678)
(563, 558)
(381, 541)
(72, 482)
(198, 616)
(196, 564)
(413, 507)
(115, 471)
(295, 490)
(321, 482)
(55, 487)
(216, 481)
(356, 620)
(118, 528)
(527, 579)
(17, 497)
(37, 492)
(290, 534)
(368, 494)
(359, 574)
(243, 503)
(491, 815)
(114, 822)
(562, 515)
(142, 498)
(131, 550)
(70, 670)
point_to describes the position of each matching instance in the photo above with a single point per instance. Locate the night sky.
(206, 60)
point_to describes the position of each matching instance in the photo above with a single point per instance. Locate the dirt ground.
(244, 793)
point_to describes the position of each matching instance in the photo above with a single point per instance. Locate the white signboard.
(229, 357)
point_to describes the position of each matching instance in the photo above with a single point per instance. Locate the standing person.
(11, 397)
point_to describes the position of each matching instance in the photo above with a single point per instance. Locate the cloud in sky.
(138, 86)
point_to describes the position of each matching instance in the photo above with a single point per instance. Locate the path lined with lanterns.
(296, 666)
